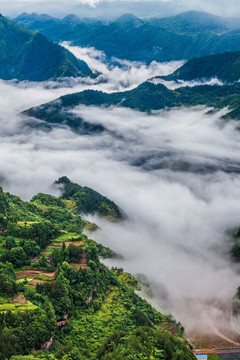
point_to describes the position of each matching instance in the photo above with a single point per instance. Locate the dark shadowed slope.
(25, 55)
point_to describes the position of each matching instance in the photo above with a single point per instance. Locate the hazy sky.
(116, 7)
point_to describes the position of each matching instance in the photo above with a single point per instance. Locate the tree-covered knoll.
(26, 55)
(87, 200)
(225, 67)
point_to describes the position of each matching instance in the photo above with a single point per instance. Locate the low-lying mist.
(121, 75)
(175, 174)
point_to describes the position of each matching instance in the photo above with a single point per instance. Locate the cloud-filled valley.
(174, 173)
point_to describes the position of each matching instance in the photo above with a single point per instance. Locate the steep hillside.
(182, 37)
(56, 295)
(225, 67)
(25, 55)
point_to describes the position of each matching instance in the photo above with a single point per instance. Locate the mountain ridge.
(146, 41)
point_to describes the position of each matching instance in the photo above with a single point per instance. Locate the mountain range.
(185, 36)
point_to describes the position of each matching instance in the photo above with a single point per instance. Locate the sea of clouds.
(174, 174)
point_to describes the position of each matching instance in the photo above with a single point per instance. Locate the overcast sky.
(116, 7)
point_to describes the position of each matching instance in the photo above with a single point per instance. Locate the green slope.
(225, 66)
(26, 55)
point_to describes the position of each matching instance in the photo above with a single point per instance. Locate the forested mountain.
(225, 67)
(188, 35)
(26, 55)
(56, 295)
(129, 19)
(145, 97)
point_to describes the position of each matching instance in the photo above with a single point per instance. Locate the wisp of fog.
(174, 174)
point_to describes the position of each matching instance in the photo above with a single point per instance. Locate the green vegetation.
(69, 304)
(214, 357)
(143, 343)
(26, 55)
(8, 285)
(87, 200)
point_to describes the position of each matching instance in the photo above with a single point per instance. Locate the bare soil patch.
(19, 299)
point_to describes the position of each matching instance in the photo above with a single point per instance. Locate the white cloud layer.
(124, 75)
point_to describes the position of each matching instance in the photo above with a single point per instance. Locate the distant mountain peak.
(129, 18)
(71, 18)
(34, 15)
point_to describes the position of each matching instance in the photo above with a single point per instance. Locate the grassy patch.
(25, 223)
(66, 237)
(17, 307)
(43, 277)
(3, 300)
(23, 279)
